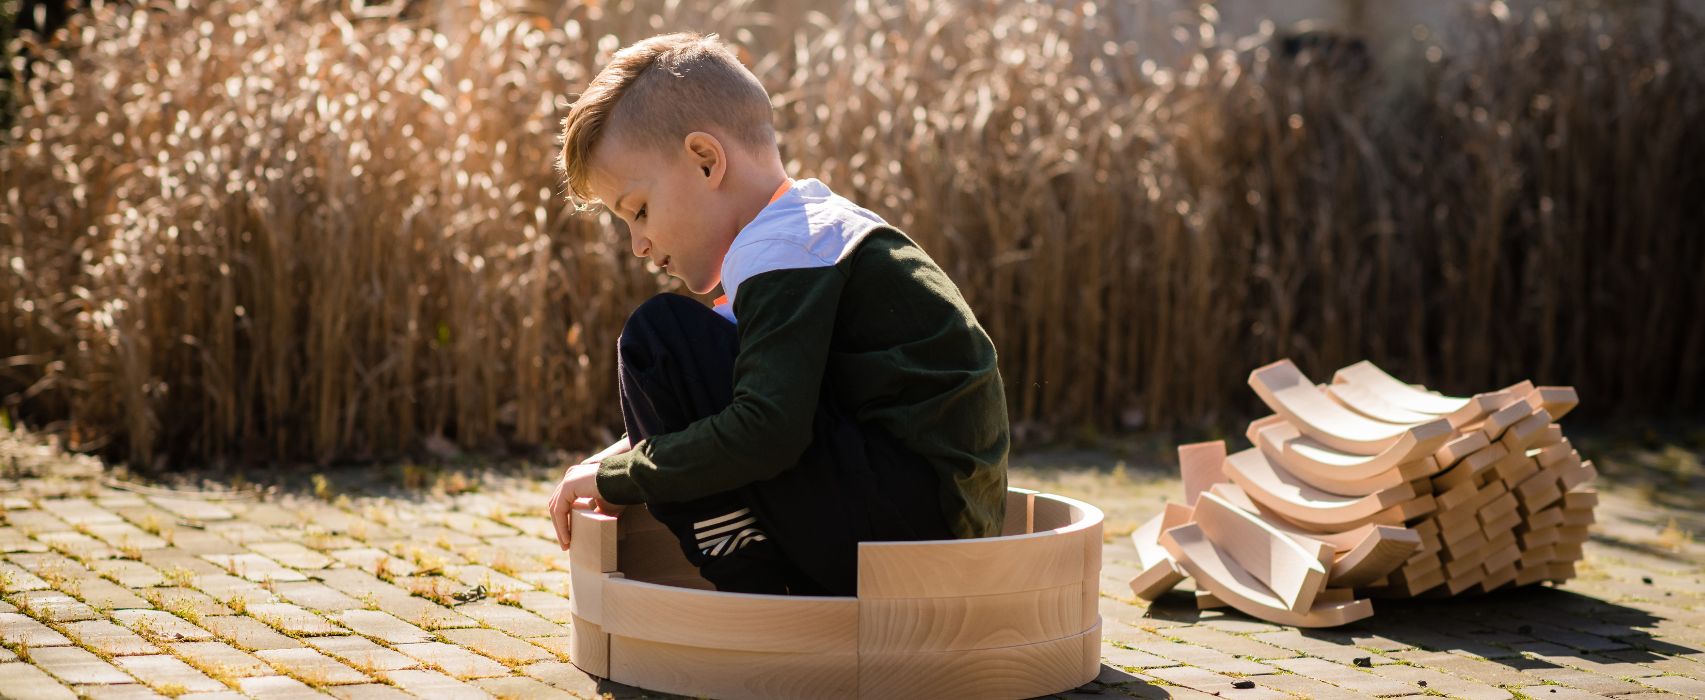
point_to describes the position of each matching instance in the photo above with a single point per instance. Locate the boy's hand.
(579, 482)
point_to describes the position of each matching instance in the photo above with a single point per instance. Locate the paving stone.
(1203, 657)
(564, 675)
(486, 576)
(53, 606)
(77, 666)
(512, 620)
(164, 672)
(26, 681)
(108, 638)
(1441, 682)
(14, 578)
(223, 587)
(191, 509)
(454, 660)
(1555, 692)
(123, 536)
(432, 684)
(1131, 658)
(1236, 645)
(160, 625)
(121, 691)
(253, 567)
(248, 633)
(1681, 685)
(1294, 642)
(1487, 672)
(77, 545)
(17, 628)
(505, 649)
(220, 660)
(559, 646)
(362, 653)
(277, 688)
(550, 606)
(1586, 661)
(1305, 687)
(382, 626)
(1347, 677)
(316, 596)
(370, 691)
(188, 601)
(312, 667)
(374, 561)
(520, 687)
(80, 511)
(130, 574)
(1210, 682)
(292, 555)
(292, 619)
(13, 540)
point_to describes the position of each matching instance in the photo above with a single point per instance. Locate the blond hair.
(657, 91)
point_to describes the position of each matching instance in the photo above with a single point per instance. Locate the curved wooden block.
(1199, 465)
(1291, 395)
(1395, 392)
(731, 673)
(1159, 574)
(1556, 400)
(1338, 472)
(1289, 570)
(985, 566)
(1383, 549)
(1271, 486)
(1361, 399)
(1014, 672)
(910, 625)
(744, 622)
(1215, 570)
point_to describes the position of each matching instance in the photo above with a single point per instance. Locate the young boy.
(843, 393)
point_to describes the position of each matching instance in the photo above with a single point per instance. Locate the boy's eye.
(639, 214)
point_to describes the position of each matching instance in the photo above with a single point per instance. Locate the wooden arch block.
(1288, 569)
(1271, 486)
(1215, 570)
(1291, 395)
(1199, 465)
(1336, 472)
(1393, 391)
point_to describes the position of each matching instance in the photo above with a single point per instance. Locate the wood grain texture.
(745, 622)
(895, 625)
(1288, 569)
(986, 566)
(1375, 557)
(1290, 394)
(1199, 466)
(591, 556)
(730, 673)
(1396, 392)
(1007, 672)
(1215, 570)
(1342, 473)
(588, 647)
(1273, 487)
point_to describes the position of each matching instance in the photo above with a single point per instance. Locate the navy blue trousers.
(796, 533)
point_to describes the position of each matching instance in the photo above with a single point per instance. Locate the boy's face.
(671, 204)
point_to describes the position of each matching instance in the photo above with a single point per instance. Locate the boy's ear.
(708, 156)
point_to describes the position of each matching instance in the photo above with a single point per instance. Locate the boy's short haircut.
(656, 92)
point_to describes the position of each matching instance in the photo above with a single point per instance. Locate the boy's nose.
(641, 247)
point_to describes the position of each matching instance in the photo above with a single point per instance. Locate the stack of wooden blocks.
(1370, 487)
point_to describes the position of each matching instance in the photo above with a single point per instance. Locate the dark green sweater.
(886, 329)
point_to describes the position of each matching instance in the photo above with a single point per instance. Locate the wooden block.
(1272, 487)
(1334, 596)
(1017, 521)
(1505, 524)
(1028, 670)
(1335, 472)
(1573, 476)
(1215, 570)
(1393, 391)
(1288, 569)
(1471, 467)
(1477, 408)
(732, 673)
(1044, 559)
(1454, 497)
(1539, 491)
(1553, 435)
(1498, 579)
(1556, 400)
(1539, 555)
(899, 625)
(1458, 527)
(1551, 455)
(1502, 558)
(1456, 585)
(1382, 552)
(1527, 576)
(1459, 447)
(1566, 551)
(1207, 601)
(1526, 432)
(1365, 401)
(1580, 497)
(1561, 570)
(1199, 465)
(1535, 539)
(1573, 534)
(656, 556)
(1158, 572)
(1546, 517)
(745, 622)
(1233, 494)
(1578, 518)
(1290, 394)
(1495, 510)
(1515, 468)
(589, 647)
(1503, 419)
(591, 556)
(1467, 547)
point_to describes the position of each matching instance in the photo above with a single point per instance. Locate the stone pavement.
(401, 581)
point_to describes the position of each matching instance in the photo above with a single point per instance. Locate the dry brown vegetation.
(276, 230)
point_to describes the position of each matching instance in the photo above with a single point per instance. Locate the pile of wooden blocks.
(1371, 487)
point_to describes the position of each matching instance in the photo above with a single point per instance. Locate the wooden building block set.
(1013, 616)
(1369, 487)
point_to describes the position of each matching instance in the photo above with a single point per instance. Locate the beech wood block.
(745, 622)
(899, 625)
(1574, 476)
(1529, 575)
(1515, 468)
(1290, 394)
(1477, 408)
(1382, 552)
(1501, 420)
(1553, 435)
(1336, 472)
(1580, 497)
(1158, 572)
(1551, 455)
(1561, 571)
(1007, 672)
(1556, 400)
(1395, 392)
(1275, 488)
(1199, 465)
(591, 556)
(732, 673)
(1288, 569)
(1526, 431)
(1206, 601)
(1215, 570)
(1017, 521)
(985, 566)
(1365, 401)
(588, 646)
(1458, 447)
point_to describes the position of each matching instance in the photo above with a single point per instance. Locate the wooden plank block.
(1367, 402)
(1028, 670)
(1471, 467)
(1539, 490)
(1574, 476)
(732, 673)
(1215, 571)
(1291, 571)
(1395, 392)
(746, 622)
(656, 556)
(1158, 572)
(984, 566)
(1529, 575)
(591, 556)
(1458, 447)
(637, 519)
(588, 646)
(1335, 472)
(1290, 394)
(1273, 487)
(1553, 435)
(1478, 407)
(1561, 570)
(1580, 497)
(1018, 516)
(1199, 465)
(1556, 400)
(1385, 549)
(1526, 431)
(1550, 455)
(1502, 419)
(1546, 517)
(1206, 601)
(902, 625)
(1515, 468)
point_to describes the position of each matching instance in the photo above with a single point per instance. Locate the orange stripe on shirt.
(785, 184)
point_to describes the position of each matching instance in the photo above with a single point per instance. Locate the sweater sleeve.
(787, 319)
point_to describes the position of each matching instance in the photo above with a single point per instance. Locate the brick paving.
(381, 583)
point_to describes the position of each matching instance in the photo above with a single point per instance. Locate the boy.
(844, 393)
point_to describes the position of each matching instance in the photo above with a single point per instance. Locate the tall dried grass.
(241, 231)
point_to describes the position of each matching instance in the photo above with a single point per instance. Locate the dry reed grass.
(281, 231)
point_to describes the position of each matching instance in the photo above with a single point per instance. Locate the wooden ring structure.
(1012, 616)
